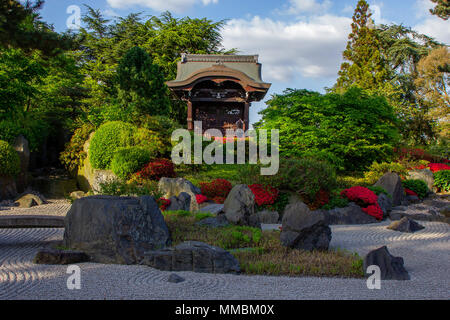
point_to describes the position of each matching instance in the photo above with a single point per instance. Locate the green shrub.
(153, 142)
(336, 202)
(35, 130)
(418, 186)
(377, 170)
(442, 180)
(121, 188)
(9, 160)
(127, 161)
(107, 139)
(74, 154)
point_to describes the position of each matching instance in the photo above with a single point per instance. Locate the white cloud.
(431, 25)
(160, 5)
(304, 6)
(311, 48)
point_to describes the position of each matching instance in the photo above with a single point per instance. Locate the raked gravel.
(426, 254)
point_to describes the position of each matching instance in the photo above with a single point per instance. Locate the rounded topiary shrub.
(127, 161)
(9, 160)
(107, 139)
(418, 186)
(442, 180)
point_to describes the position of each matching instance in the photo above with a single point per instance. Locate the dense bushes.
(74, 154)
(377, 170)
(351, 130)
(129, 160)
(442, 180)
(9, 160)
(107, 139)
(156, 170)
(418, 186)
(216, 190)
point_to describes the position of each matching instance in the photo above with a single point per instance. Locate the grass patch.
(261, 252)
(211, 172)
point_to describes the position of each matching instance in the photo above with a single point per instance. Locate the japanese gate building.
(219, 89)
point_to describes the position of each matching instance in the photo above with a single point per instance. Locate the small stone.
(391, 267)
(55, 256)
(174, 278)
(405, 225)
(214, 222)
(77, 195)
(180, 202)
(212, 208)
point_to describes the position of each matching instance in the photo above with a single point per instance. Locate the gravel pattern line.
(54, 207)
(426, 254)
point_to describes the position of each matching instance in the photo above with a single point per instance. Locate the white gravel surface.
(426, 254)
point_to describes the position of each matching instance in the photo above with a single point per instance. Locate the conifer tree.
(363, 64)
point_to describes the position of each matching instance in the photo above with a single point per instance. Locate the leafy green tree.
(141, 84)
(442, 9)
(350, 130)
(364, 65)
(21, 27)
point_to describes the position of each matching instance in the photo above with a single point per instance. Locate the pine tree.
(363, 64)
(442, 9)
(141, 84)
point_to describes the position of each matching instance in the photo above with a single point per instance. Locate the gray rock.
(423, 174)
(182, 202)
(391, 267)
(264, 217)
(417, 212)
(100, 177)
(55, 256)
(115, 229)
(29, 200)
(385, 203)
(174, 278)
(412, 199)
(405, 225)
(303, 229)
(22, 148)
(213, 208)
(352, 214)
(392, 183)
(240, 205)
(192, 256)
(214, 222)
(174, 186)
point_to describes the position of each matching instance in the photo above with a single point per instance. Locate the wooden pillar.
(246, 115)
(190, 122)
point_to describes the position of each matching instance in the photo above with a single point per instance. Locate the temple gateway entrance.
(219, 89)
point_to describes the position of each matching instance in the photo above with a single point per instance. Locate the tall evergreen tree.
(141, 86)
(363, 64)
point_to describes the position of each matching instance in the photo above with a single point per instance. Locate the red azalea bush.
(322, 198)
(409, 192)
(157, 169)
(201, 198)
(219, 200)
(163, 203)
(264, 196)
(366, 199)
(435, 167)
(216, 188)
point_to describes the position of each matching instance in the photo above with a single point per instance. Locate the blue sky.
(300, 42)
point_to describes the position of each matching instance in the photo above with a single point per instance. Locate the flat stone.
(213, 208)
(77, 194)
(271, 227)
(352, 214)
(214, 222)
(391, 267)
(174, 278)
(31, 221)
(405, 225)
(55, 256)
(192, 256)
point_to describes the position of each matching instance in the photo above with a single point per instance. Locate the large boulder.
(115, 229)
(29, 200)
(192, 256)
(385, 203)
(182, 202)
(391, 267)
(352, 214)
(175, 186)
(239, 205)
(23, 150)
(392, 183)
(425, 175)
(417, 212)
(405, 225)
(304, 229)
